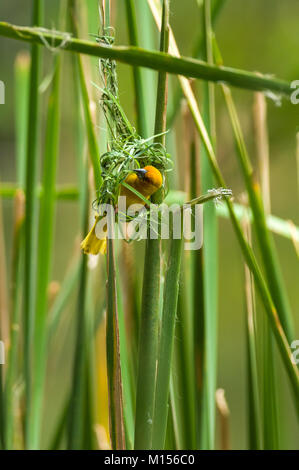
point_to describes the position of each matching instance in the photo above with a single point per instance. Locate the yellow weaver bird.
(146, 181)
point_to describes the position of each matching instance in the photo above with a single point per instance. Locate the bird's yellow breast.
(146, 186)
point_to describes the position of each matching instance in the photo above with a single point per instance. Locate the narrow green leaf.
(125, 369)
(91, 137)
(22, 70)
(253, 390)
(171, 289)
(115, 390)
(76, 418)
(147, 40)
(113, 356)
(16, 290)
(267, 362)
(197, 52)
(281, 339)
(148, 338)
(45, 245)
(31, 212)
(142, 121)
(62, 298)
(76, 409)
(266, 243)
(210, 259)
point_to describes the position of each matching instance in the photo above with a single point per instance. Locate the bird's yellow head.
(150, 178)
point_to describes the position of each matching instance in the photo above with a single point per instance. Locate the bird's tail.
(92, 245)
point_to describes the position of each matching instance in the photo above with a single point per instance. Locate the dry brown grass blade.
(4, 312)
(224, 413)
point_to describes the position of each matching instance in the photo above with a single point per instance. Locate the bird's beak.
(140, 172)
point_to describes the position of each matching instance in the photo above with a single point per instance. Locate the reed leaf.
(62, 298)
(45, 245)
(210, 258)
(197, 52)
(12, 360)
(116, 420)
(166, 340)
(128, 414)
(76, 412)
(115, 388)
(22, 70)
(268, 252)
(253, 391)
(268, 364)
(31, 214)
(142, 121)
(148, 337)
(146, 38)
(154, 60)
(91, 137)
(281, 339)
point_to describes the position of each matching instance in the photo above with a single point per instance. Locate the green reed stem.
(147, 351)
(76, 408)
(31, 212)
(266, 243)
(154, 60)
(210, 259)
(12, 360)
(128, 414)
(171, 289)
(22, 70)
(116, 420)
(142, 121)
(45, 245)
(253, 403)
(198, 50)
(91, 136)
(267, 361)
(148, 338)
(63, 296)
(281, 339)
(147, 40)
(114, 373)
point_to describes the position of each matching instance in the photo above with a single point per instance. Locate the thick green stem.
(147, 353)
(148, 340)
(31, 211)
(150, 59)
(210, 259)
(197, 52)
(45, 243)
(171, 290)
(91, 136)
(142, 124)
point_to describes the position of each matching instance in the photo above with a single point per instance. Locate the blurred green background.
(256, 35)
